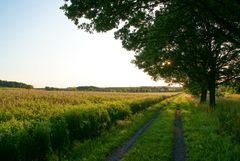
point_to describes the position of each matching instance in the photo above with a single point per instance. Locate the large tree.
(179, 40)
(193, 45)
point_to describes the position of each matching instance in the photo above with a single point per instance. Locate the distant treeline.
(230, 87)
(119, 89)
(12, 84)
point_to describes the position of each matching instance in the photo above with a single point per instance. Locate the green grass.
(97, 149)
(204, 138)
(156, 143)
(228, 113)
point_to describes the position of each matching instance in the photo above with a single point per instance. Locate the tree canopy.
(184, 41)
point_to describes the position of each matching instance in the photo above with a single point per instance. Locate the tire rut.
(118, 153)
(179, 153)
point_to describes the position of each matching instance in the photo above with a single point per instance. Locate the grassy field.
(87, 126)
(37, 125)
(212, 134)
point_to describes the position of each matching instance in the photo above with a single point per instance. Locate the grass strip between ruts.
(156, 143)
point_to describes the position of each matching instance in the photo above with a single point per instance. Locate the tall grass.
(228, 113)
(208, 133)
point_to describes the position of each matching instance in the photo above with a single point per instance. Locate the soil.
(179, 153)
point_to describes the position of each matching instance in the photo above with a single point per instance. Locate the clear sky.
(40, 46)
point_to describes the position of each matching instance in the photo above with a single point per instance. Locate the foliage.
(178, 40)
(131, 89)
(118, 89)
(14, 84)
(193, 88)
(230, 87)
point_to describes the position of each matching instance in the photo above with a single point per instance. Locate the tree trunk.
(203, 98)
(212, 92)
(212, 100)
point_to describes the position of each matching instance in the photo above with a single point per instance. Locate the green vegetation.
(230, 87)
(97, 149)
(208, 137)
(195, 43)
(228, 114)
(36, 125)
(12, 84)
(61, 125)
(118, 89)
(156, 143)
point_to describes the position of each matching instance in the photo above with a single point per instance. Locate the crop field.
(23, 104)
(36, 123)
(89, 126)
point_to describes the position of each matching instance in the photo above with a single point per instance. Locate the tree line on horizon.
(13, 84)
(229, 87)
(119, 89)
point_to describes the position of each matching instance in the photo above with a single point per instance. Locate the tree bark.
(212, 99)
(203, 98)
(212, 93)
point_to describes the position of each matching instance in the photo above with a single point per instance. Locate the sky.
(41, 47)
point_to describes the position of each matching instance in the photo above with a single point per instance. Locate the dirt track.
(179, 153)
(117, 153)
